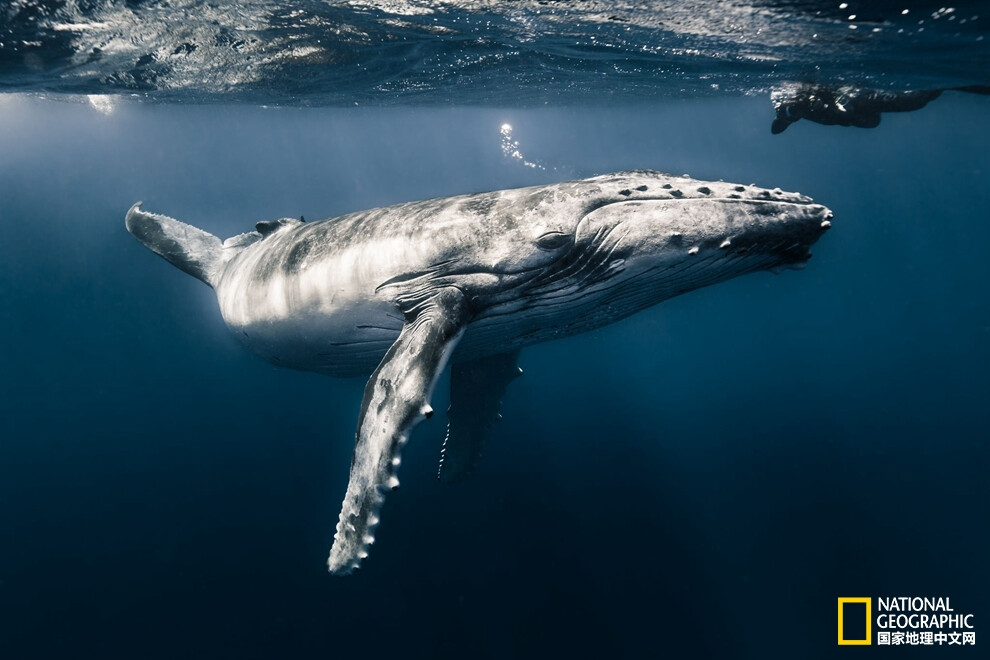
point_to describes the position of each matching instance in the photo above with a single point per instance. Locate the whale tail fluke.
(192, 250)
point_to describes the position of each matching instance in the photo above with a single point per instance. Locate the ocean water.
(703, 479)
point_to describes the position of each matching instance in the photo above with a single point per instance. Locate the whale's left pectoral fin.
(476, 391)
(396, 398)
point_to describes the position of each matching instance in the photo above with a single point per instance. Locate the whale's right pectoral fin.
(396, 398)
(476, 390)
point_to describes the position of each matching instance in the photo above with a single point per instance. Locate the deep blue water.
(700, 480)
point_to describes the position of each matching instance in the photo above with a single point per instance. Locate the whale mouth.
(779, 237)
(791, 242)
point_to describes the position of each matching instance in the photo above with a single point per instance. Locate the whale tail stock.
(192, 250)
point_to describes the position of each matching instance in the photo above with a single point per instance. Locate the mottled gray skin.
(399, 291)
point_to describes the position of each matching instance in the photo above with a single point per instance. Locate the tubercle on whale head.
(547, 219)
(617, 226)
(717, 229)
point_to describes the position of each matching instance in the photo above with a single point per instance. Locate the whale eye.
(552, 240)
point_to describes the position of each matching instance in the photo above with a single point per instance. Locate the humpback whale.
(398, 292)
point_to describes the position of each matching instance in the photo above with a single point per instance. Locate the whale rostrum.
(400, 291)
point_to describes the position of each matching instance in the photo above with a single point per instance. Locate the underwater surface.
(702, 479)
(482, 52)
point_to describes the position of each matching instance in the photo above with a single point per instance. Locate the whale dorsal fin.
(266, 227)
(476, 390)
(396, 398)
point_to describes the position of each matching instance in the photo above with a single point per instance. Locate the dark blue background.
(703, 479)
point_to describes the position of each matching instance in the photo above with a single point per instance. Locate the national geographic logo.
(903, 621)
(854, 621)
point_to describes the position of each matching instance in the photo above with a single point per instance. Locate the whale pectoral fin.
(396, 398)
(476, 390)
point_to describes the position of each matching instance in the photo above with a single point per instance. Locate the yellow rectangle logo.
(868, 639)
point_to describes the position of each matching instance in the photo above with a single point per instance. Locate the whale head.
(609, 246)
